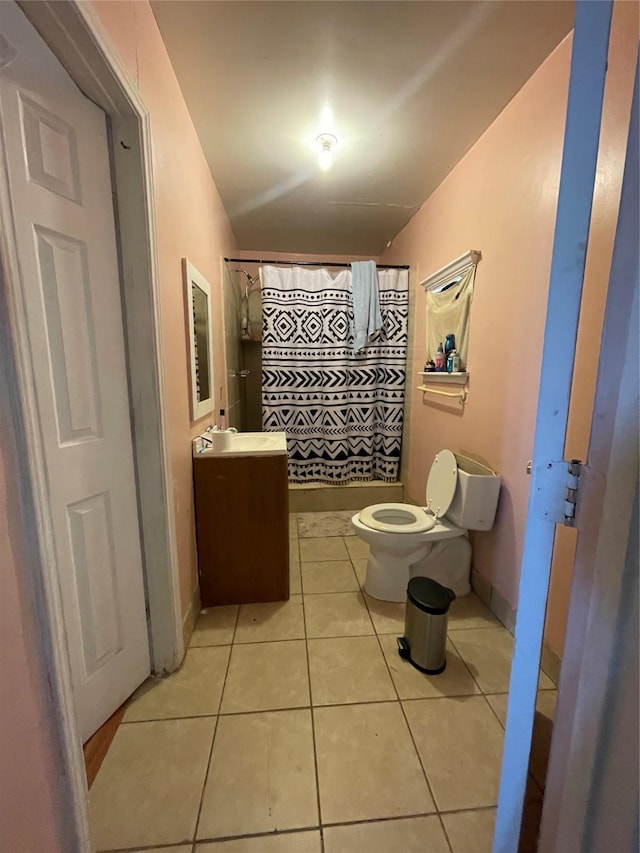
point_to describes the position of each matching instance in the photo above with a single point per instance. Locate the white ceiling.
(411, 85)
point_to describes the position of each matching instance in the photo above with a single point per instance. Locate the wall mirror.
(449, 292)
(198, 302)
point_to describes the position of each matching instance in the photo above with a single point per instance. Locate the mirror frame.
(191, 277)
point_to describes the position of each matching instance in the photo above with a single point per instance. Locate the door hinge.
(574, 468)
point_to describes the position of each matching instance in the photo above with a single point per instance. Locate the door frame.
(546, 507)
(595, 728)
(75, 34)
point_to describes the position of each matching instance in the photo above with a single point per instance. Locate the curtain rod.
(309, 263)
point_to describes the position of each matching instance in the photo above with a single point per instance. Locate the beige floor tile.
(545, 704)
(460, 744)
(294, 552)
(262, 775)
(293, 525)
(367, 764)
(287, 842)
(323, 548)
(277, 620)
(470, 832)
(348, 669)
(360, 568)
(340, 614)
(180, 849)
(498, 702)
(193, 691)
(407, 835)
(357, 547)
(487, 652)
(266, 676)
(215, 626)
(334, 576)
(134, 801)
(413, 684)
(470, 612)
(387, 616)
(316, 524)
(295, 579)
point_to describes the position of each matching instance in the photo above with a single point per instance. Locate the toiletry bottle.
(449, 345)
(439, 359)
(455, 362)
(222, 421)
(450, 362)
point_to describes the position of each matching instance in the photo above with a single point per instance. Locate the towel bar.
(461, 396)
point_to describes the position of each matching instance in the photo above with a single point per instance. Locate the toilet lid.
(396, 518)
(441, 485)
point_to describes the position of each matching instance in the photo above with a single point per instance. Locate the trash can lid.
(429, 595)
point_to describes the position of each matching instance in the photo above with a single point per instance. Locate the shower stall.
(292, 367)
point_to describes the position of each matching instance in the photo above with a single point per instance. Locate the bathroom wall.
(501, 198)
(191, 223)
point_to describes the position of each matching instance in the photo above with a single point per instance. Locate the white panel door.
(56, 155)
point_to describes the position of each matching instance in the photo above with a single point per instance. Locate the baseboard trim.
(550, 661)
(502, 610)
(191, 617)
(496, 602)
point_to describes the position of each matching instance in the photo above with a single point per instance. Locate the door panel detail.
(64, 282)
(51, 152)
(94, 568)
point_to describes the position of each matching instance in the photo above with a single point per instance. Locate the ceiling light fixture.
(326, 141)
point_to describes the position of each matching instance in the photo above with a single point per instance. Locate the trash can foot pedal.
(403, 648)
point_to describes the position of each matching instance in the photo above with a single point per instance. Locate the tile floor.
(296, 728)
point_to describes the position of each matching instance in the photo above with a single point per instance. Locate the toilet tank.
(476, 497)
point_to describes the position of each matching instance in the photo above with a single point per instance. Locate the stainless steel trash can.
(425, 625)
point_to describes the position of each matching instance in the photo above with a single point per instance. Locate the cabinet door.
(242, 518)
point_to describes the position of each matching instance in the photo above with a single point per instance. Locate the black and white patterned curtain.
(342, 411)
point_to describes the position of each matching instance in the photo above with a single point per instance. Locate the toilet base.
(447, 561)
(388, 575)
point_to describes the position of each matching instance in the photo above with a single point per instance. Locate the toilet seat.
(404, 518)
(396, 518)
(441, 483)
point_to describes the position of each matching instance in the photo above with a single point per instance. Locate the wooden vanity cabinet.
(242, 528)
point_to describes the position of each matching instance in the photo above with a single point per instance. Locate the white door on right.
(57, 158)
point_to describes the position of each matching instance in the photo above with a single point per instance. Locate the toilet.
(406, 541)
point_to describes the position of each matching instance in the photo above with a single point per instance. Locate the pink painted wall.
(501, 198)
(191, 223)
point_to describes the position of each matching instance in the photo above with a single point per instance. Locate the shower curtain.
(342, 412)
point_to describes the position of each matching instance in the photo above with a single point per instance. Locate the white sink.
(242, 444)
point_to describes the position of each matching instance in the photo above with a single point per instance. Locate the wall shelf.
(438, 378)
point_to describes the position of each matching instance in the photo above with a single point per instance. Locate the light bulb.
(326, 141)
(325, 159)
